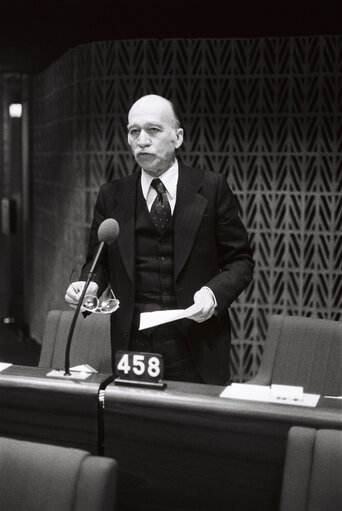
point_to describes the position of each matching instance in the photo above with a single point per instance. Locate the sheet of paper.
(150, 319)
(4, 365)
(246, 391)
(84, 367)
(75, 375)
(263, 393)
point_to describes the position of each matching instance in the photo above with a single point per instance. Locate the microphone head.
(108, 230)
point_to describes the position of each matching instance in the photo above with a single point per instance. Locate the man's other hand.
(74, 291)
(206, 303)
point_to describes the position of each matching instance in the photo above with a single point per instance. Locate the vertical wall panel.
(264, 112)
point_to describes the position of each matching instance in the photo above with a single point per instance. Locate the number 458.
(139, 366)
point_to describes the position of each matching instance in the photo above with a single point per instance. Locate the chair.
(301, 351)
(90, 342)
(41, 477)
(313, 471)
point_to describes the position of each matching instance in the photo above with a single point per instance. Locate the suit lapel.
(124, 212)
(190, 207)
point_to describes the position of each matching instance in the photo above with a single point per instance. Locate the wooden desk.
(186, 448)
(58, 411)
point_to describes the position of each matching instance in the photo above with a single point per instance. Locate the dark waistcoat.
(154, 261)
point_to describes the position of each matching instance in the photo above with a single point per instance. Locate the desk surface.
(61, 411)
(204, 399)
(187, 446)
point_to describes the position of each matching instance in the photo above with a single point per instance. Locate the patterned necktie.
(160, 210)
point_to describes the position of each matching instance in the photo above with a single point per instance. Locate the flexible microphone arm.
(107, 232)
(77, 311)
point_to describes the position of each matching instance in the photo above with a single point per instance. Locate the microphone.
(107, 232)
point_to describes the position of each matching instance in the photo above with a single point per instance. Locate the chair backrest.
(312, 478)
(303, 351)
(36, 477)
(90, 342)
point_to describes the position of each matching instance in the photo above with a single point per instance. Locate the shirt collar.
(169, 179)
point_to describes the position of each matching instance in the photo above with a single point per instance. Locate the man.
(181, 241)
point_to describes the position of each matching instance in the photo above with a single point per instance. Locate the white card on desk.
(83, 368)
(4, 365)
(287, 392)
(74, 375)
(282, 394)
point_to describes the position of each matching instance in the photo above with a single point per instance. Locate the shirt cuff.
(211, 293)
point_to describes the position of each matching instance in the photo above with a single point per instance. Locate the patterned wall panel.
(266, 113)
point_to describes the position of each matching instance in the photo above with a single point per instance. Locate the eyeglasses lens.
(90, 303)
(109, 305)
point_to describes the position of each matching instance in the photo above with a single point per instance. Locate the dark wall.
(264, 112)
(35, 33)
(13, 197)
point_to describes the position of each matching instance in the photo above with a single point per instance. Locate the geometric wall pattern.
(266, 113)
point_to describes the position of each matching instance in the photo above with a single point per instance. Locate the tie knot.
(158, 185)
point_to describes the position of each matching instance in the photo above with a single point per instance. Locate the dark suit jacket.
(210, 249)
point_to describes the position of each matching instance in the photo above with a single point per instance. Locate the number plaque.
(141, 369)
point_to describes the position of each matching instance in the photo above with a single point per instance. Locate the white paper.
(150, 319)
(247, 391)
(75, 375)
(287, 392)
(4, 365)
(83, 368)
(266, 394)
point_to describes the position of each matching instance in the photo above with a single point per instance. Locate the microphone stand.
(77, 311)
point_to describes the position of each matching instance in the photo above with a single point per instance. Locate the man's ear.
(179, 137)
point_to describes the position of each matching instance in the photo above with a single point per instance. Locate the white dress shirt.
(169, 180)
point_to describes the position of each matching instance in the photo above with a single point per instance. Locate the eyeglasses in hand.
(106, 306)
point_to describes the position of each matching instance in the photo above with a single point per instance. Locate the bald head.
(153, 103)
(154, 133)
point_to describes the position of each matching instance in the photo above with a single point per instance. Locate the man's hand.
(205, 301)
(74, 291)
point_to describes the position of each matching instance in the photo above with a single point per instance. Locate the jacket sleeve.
(234, 252)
